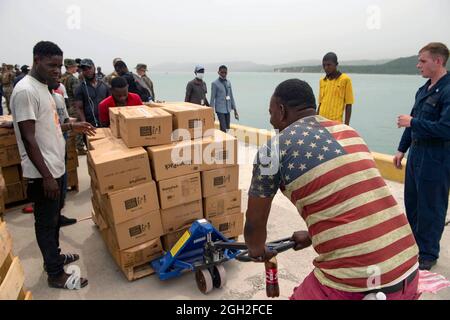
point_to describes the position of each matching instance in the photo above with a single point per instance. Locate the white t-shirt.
(31, 100)
(61, 108)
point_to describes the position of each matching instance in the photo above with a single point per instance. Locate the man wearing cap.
(112, 75)
(335, 91)
(25, 69)
(89, 94)
(196, 89)
(144, 80)
(71, 82)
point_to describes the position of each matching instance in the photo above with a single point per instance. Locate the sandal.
(67, 281)
(68, 258)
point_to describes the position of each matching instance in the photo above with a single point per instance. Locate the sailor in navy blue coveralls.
(428, 168)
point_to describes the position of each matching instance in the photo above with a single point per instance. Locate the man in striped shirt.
(362, 237)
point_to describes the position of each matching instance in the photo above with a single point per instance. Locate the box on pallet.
(11, 174)
(170, 239)
(144, 126)
(100, 133)
(9, 156)
(130, 203)
(138, 230)
(177, 217)
(118, 167)
(222, 204)
(185, 157)
(219, 181)
(14, 193)
(230, 225)
(134, 256)
(176, 191)
(194, 119)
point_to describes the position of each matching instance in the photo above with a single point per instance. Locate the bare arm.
(348, 114)
(255, 231)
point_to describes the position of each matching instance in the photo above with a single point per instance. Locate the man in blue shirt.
(222, 99)
(427, 136)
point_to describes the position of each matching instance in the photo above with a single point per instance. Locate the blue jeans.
(426, 196)
(224, 120)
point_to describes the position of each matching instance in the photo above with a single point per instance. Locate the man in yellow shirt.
(336, 92)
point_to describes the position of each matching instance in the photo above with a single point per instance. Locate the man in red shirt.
(120, 97)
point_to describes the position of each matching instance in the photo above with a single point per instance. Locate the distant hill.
(235, 66)
(398, 66)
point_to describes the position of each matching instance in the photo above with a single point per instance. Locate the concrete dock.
(106, 280)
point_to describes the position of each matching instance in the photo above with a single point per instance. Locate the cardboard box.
(144, 126)
(185, 157)
(172, 160)
(108, 143)
(138, 230)
(130, 203)
(133, 256)
(230, 226)
(72, 178)
(177, 217)
(194, 119)
(11, 174)
(219, 181)
(119, 168)
(14, 193)
(176, 191)
(170, 239)
(7, 137)
(222, 204)
(9, 156)
(72, 160)
(114, 121)
(100, 133)
(218, 151)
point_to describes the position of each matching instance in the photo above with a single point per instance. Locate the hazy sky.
(202, 31)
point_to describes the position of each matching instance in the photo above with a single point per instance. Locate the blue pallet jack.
(204, 250)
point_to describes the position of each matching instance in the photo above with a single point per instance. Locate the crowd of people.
(320, 163)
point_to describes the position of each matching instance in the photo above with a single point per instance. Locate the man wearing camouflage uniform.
(71, 83)
(7, 79)
(112, 75)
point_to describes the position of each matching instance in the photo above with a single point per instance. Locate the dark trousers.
(47, 214)
(426, 196)
(224, 120)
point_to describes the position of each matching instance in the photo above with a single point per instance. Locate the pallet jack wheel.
(219, 276)
(204, 280)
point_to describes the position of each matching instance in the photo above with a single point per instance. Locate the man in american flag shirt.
(362, 237)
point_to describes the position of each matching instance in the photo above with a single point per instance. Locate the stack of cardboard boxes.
(195, 176)
(148, 187)
(10, 164)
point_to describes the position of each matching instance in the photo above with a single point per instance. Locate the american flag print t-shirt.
(361, 235)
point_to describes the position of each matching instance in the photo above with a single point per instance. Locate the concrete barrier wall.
(260, 136)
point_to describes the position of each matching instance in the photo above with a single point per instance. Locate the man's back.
(355, 224)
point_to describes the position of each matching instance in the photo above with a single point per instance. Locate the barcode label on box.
(131, 203)
(221, 155)
(195, 123)
(224, 226)
(149, 131)
(135, 231)
(218, 181)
